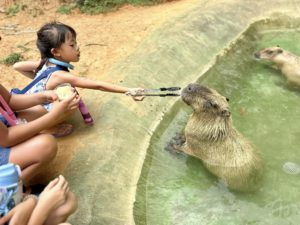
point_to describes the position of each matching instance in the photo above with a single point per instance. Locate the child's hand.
(65, 108)
(55, 194)
(136, 93)
(20, 214)
(49, 96)
(138, 98)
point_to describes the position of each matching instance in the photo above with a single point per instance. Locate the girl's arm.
(20, 214)
(27, 68)
(14, 135)
(20, 102)
(66, 77)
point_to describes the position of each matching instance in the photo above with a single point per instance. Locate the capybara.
(286, 62)
(210, 136)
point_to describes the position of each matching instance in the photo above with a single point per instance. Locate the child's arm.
(14, 135)
(20, 102)
(66, 77)
(20, 214)
(27, 68)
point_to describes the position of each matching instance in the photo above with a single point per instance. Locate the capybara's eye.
(189, 88)
(269, 52)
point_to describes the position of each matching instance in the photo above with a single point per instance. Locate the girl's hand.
(134, 93)
(63, 109)
(55, 194)
(49, 96)
(138, 98)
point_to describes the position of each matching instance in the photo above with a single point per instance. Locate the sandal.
(62, 130)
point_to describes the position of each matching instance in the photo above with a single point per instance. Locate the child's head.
(58, 40)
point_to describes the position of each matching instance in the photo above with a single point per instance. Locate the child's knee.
(47, 145)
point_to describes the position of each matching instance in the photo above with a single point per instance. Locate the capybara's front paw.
(179, 139)
(175, 144)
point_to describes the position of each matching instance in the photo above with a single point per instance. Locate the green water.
(176, 189)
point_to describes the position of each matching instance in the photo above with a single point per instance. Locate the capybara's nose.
(257, 55)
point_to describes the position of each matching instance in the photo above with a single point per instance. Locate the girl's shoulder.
(48, 70)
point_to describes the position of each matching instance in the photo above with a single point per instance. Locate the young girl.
(23, 144)
(57, 45)
(54, 205)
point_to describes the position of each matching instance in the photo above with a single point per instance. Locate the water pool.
(177, 189)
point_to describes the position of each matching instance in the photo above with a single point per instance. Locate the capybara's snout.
(257, 55)
(195, 89)
(191, 88)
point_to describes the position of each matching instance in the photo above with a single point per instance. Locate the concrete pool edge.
(258, 22)
(279, 25)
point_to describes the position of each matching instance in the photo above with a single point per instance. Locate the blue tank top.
(3, 120)
(40, 86)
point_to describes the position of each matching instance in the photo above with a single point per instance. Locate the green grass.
(103, 6)
(12, 58)
(13, 10)
(66, 9)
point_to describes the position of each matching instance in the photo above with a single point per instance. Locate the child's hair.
(51, 35)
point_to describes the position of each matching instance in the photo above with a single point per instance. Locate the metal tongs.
(160, 92)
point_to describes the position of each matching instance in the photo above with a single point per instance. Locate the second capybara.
(286, 62)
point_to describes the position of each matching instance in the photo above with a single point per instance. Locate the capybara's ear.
(278, 46)
(279, 51)
(227, 99)
(225, 112)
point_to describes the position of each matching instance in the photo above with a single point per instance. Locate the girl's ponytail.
(42, 63)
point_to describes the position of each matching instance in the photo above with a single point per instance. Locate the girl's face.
(68, 51)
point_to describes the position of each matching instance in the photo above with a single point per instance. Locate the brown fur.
(287, 63)
(211, 137)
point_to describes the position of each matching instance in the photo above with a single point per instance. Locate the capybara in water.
(210, 136)
(287, 63)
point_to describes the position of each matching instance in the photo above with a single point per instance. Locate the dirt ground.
(104, 40)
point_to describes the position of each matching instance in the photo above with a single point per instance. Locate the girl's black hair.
(51, 35)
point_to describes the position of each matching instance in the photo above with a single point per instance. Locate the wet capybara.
(210, 136)
(286, 62)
